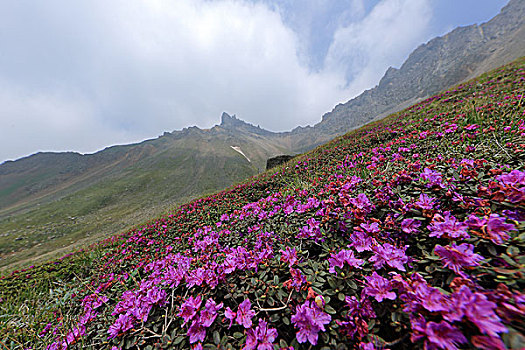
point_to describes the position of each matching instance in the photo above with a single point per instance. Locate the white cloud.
(61, 122)
(363, 50)
(82, 75)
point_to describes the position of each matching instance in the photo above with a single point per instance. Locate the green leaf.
(329, 309)
(276, 280)
(216, 337)
(508, 259)
(352, 284)
(178, 340)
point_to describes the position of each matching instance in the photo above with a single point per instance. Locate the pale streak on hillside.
(238, 149)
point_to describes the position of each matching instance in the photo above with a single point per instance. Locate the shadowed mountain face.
(52, 200)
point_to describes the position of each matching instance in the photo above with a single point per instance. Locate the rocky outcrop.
(232, 123)
(276, 161)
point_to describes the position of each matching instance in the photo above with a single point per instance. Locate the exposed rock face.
(275, 161)
(445, 61)
(231, 123)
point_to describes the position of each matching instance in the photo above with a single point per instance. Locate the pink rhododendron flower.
(289, 255)
(425, 202)
(476, 308)
(344, 256)
(379, 288)
(230, 315)
(410, 225)
(389, 255)
(514, 178)
(189, 308)
(245, 314)
(310, 320)
(456, 257)
(209, 312)
(448, 226)
(261, 338)
(497, 228)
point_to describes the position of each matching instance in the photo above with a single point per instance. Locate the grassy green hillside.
(65, 201)
(407, 233)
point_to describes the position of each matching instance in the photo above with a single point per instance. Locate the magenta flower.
(289, 255)
(189, 308)
(313, 230)
(251, 340)
(370, 228)
(245, 314)
(433, 178)
(362, 308)
(497, 229)
(310, 320)
(361, 241)
(514, 178)
(313, 202)
(475, 222)
(378, 287)
(93, 301)
(297, 280)
(209, 312)
(75, 334)
(196, 277)
(230, 315)
(390, 255)
(265, 336)
(456, 257)
(196, 332)
(425, 202)
(288, 209)
(366, 346)
(410, 225)
(447, 225)
(262, 338)
(362, 202)
(443, 335)
(477, 309)
(122, 324)
(430, 298)
(340, 258)
(155, 295)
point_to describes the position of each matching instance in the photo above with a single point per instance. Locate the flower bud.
(319, 300)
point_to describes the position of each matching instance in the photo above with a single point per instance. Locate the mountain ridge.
(455, 57)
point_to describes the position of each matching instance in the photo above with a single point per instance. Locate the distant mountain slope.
(460, 55)
(50, 200)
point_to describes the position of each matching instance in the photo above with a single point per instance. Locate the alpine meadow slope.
(51, 203)
(53, 200)
(406, 233)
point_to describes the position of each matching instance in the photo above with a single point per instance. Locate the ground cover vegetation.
(406, 233)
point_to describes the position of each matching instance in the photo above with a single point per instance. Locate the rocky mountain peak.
(231, 122)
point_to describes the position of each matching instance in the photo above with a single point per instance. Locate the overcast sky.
(85, 74)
